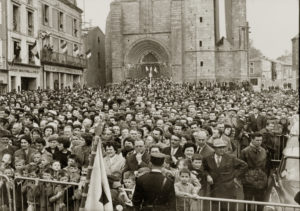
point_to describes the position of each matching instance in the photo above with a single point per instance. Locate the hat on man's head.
(157, 159)
(219, 143)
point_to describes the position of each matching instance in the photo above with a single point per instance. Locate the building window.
(200, 43)
(46, 15)
(201, 19)
(201, 64)
(251, 63)
(75, 28)
(17, 51)
(254, 81)
(61, 21)
(30, 54)
(251, 70)
(16, 18)
(30, 23)
(99, 40)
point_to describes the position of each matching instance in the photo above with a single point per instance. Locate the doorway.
(28, 83)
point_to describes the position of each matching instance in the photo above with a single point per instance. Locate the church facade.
(185, 40)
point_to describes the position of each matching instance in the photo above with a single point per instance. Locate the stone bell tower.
(185, 40)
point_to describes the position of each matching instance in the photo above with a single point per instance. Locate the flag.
(99, 196)
(76, 50)
(44, 35)
(88, 54)
(64, 47)
(34, 50)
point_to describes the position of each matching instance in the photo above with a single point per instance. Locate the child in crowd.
(184, 188)
(59, 192)
(5, 188)
(31, 189)
(56, 167)
(46, 189)
(181, 164)
(6, 161)
(19, 164)
(45, 162)
(84, 170)
(78, 192)
(126, 192)
(36, 158)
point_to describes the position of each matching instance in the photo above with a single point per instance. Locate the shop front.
(3, 81)
(24, 77)
(56, 77)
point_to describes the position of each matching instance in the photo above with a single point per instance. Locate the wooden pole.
(98, 132)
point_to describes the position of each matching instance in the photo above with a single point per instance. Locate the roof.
(259, 59)
(87, 29)
(73, 6)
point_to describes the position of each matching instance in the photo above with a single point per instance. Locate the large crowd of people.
(218, 140)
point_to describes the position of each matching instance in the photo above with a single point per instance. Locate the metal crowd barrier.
(218, 204)
(6, 189)
(34, 194)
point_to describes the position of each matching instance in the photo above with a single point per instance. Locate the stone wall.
(185, 29)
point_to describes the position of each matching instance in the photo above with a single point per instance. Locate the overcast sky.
(273, 22)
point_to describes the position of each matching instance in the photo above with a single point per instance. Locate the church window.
(201, 19)
(200, 43)
(201, 63)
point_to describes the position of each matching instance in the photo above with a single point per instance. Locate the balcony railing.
(51, 57)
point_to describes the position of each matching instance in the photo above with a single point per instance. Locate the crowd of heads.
(48, 134)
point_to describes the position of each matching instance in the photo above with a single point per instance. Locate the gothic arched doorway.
(147, 57)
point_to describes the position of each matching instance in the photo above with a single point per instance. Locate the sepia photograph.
(149, 105)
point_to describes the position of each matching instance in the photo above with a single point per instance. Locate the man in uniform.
(154, 191)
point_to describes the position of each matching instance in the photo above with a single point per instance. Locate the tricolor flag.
(64, 47)
(88, 54)
(76, 50)
(34, 50)
(99, 197)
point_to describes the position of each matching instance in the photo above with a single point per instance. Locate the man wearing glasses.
(175, 150)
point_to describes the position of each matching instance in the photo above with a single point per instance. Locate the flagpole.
(90, 167)
(150, 75)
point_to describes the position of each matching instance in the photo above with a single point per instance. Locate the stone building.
(260, 73)
(186, 40)
(94, 42)
(3, 47)
(24, 71)
(295, 61)
(62, 57)
(265, 73)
